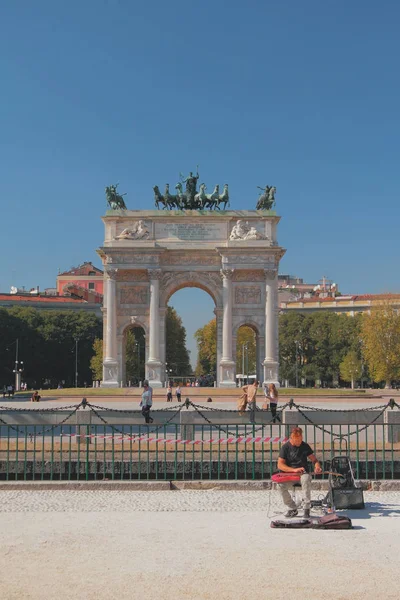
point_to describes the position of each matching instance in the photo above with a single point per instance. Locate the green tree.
(47, 345)
(206, 338)
(246, 359)
(381, 342)
(350, 367)
(96, 362)
(135, 355)
(315, 344)
(177, 355)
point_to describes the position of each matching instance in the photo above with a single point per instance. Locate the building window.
(92, 272)
(91, 286)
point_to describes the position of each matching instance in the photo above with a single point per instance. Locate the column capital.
(270, 273)
(155, 273)
(226, 273)
(112, 274)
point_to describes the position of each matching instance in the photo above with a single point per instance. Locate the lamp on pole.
(76, 362)
(297, 363)
(245, 361)
(18, 368)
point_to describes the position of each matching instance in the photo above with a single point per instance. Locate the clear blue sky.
(300, 95)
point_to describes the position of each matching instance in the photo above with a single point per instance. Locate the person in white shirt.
(178, 393)
(147, 401)
(169, 394)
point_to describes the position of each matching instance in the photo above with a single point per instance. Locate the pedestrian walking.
(271, 395)
(178, 393)
(147, 401)
(169, 394)
(10, 390)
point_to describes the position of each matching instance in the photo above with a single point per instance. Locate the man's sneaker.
(306, 513)
(292, 512)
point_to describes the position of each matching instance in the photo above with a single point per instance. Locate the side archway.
(247, 349)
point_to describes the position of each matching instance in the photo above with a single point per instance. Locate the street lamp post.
(297, 363)
(18, 368)
(76, 362)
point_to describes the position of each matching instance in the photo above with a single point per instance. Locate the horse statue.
(158, 198)
(223, 198)
(180, 197)
(201, 198)
(212, 199)
(114, 200)
(169, 199)
(267, 199)
(271, 195)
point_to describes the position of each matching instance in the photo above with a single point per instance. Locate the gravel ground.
(189, 544)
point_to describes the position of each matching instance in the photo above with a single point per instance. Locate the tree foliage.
(350, 367)
(206, 338)
(177, 356)
(96, 362)
(246, 360)
(381, 342)
(47, 345)
(316, 344)
(135, 355)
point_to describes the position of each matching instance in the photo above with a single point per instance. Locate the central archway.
(180, 282)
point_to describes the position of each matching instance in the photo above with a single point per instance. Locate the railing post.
(186, 425)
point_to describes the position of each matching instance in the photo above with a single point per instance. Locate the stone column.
(227, 365)
(271, 327)
(154, 361)
(110, 361)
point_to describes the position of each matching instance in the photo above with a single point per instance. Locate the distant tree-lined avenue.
(315, 349)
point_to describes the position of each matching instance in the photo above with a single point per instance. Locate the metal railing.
(188, 441)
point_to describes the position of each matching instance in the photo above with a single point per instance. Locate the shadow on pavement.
(375, 509)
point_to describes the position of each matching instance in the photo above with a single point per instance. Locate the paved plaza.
(189, 544)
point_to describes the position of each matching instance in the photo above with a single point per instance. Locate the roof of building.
(14, 298)
(345, 298)
(82, 269)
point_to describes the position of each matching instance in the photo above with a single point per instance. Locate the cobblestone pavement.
(189, 544)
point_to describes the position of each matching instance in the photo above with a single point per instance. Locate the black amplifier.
(347, 498)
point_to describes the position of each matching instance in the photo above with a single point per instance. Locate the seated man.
(293, 458)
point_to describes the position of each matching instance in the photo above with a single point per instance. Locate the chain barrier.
(136, 411)
(341, 435)
(116, 430)
(41, 433)
(341, 410)
(40, 410)
(197, 408)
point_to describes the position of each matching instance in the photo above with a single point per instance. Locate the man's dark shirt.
(296, 456)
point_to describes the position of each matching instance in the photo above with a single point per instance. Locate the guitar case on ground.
(329, 521)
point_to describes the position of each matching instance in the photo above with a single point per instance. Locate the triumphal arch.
(150, 254)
